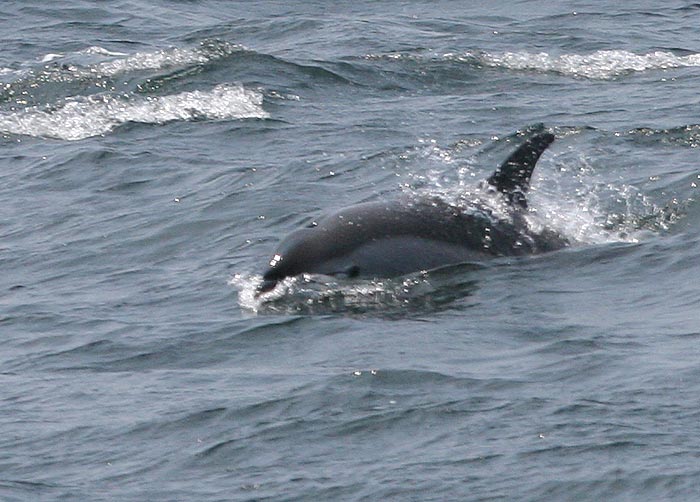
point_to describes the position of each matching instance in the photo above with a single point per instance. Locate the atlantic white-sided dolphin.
(410, 234)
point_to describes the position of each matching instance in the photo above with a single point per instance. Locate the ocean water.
(152, 155)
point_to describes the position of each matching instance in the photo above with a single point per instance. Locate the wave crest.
(83, 117)
(600, 65)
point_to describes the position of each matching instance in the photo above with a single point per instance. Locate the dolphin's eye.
(313, 224)
(352, 271)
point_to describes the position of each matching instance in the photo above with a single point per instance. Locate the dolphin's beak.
(265, 286)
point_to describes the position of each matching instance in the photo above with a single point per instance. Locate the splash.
(83, 117)
(580, 203)
(318, 295)
(568, 194)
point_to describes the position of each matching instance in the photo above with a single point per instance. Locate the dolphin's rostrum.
(404, 235)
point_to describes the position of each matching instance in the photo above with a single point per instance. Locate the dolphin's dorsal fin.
(513, 177)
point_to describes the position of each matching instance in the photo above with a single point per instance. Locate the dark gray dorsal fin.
(513, 177)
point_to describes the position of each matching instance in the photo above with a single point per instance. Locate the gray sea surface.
(153, 154)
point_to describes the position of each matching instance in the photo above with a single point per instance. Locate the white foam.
(101, 51)
(599, 65)
(82, 117)
(309, 294)
(150, 61)
(94, 50)
(164, 58)
(50, 57)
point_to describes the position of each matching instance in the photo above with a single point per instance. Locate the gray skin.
(397, 237)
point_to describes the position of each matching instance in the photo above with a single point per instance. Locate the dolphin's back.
(379, 239)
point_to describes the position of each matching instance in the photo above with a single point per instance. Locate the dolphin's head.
(287, 261)
(271, 277)
(284, 263)
(324, 248)
(308, 250)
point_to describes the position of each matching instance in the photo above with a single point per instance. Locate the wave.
(90, 92)
(97, 62)
(205, 53)
(85, 116)
(687, 135)
(599, 65)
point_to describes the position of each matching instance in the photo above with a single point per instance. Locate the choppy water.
(152, 154)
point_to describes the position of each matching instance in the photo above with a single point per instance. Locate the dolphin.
(410, 234)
